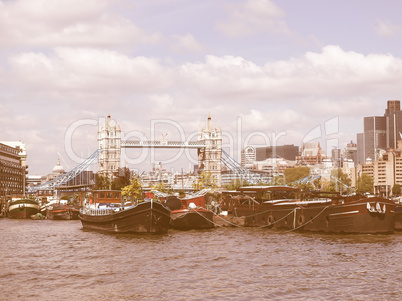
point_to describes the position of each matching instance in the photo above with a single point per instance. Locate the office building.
(287, 152)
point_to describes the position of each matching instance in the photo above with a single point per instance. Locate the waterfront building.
(287, 152)
(311, 154)
(248, 156)
(273, 166)
(209, 157)
(33, 180)
(109, 140)
(12, 171)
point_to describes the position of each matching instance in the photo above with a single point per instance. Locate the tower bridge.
(208, 145)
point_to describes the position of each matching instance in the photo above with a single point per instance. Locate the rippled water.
(57, 260)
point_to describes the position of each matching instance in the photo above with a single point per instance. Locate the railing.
(162, 144)
(97, 211)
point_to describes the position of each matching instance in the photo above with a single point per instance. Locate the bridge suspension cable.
(239, 170)
(61, 180)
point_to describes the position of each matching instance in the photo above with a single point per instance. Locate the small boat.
(22, 208)
(193, 217)
(145, 217)
(292, 209)
(189, 213)
(59, 211)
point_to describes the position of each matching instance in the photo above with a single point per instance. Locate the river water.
(58, 260)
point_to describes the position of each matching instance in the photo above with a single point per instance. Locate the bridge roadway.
(161, 144)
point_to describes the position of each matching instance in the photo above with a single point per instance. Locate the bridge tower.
(209, 157)
(109, 139)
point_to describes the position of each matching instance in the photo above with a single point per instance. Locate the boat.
(144, 217)
(288, 208)
(193, 217)
(60, 211)
(189, 213)
(22, 208)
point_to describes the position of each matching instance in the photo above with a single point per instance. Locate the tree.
(364, 184)
(205, 180)
(296, 173)
(163, 188)
(234, 184)
(396, 190)
(134, 190)
(102, 182)
(121, 179)
(340, 181)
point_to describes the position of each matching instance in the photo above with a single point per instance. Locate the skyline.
(278, 66)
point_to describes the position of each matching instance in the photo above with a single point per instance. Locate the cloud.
(186, 43)
(43, 23)
(386, 29)
(75, 71)
(254, 16)
(333, 72)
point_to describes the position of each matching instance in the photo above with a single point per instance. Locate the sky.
(267, 71)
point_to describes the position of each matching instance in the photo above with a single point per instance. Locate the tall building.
(12, 171)
(336, 157)
(350, 152)
(375, 136)
(248, 156)
(209, 157)
(393, 116)
(287, 152)
(361, 155)
(380, 132)
(109, 140)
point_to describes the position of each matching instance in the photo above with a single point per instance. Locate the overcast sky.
(261, 68)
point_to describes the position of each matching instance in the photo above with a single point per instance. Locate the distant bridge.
(161, 144)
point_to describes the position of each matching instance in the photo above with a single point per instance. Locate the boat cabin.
(106, 197)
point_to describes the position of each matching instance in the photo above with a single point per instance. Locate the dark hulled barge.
(145, 217)
(290, 209)
(22, 208)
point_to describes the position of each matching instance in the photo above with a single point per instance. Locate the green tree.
(205, 180)
(365, 184)
(234, 184)
(134, 190)
(102, 182)
(396, 190)
(163, 188)
(121, 179)
(340, 181)
(296, 173)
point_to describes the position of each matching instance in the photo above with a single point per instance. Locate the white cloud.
(88, 71)
(253, 16)
(186, 43)
(386, 29)
(333, 72)
(66, 23)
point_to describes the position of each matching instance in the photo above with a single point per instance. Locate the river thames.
(58, 260)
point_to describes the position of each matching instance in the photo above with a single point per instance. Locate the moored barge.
(22, 208)
(145, 217)
(290, 209)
